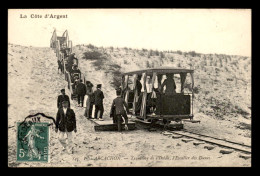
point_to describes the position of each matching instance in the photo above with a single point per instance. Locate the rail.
(214, 140)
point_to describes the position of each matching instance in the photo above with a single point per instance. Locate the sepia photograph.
(129, 87)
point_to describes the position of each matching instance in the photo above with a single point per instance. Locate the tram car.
(155, 102)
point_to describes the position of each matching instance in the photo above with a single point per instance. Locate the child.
(118, 110)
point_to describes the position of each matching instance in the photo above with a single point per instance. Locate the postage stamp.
(33, 141)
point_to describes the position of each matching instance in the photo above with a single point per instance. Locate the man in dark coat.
(65, 123)
(62, 98)
(81, 92)
(99, 96)
(117, 109)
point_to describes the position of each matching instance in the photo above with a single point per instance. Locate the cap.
(99, 85)
(62, 90)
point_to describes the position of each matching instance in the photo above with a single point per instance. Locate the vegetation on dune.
(101, 62)
(217, 75)
(93, 55)
(116, 82)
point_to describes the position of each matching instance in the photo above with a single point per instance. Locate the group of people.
(94, 98)
(66, 118)
(168, 84)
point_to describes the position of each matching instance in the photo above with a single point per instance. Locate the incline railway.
(211, 140)
(182, 102)
(62, 46)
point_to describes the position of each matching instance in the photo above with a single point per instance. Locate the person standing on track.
(99, 96)
(81, 92)
(61, 98)
(118, 106)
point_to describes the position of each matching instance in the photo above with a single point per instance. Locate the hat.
(87, 82)
(62, 90)
(99, 85)
(118, 91)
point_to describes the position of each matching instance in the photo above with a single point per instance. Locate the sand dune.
(34, 84)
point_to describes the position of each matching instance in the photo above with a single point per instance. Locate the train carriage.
(168, 107)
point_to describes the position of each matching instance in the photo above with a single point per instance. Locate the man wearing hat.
(99, 96)
(118, 111)
(81, 92)
(90, 100)
(62, 98)
(65, 124)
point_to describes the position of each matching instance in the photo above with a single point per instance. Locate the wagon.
(153, 103)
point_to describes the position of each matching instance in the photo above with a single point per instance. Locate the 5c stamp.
(33, 141)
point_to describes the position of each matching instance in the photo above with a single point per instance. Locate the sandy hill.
(222, 82)
(34, 84)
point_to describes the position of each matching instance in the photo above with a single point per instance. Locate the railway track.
(213, 140)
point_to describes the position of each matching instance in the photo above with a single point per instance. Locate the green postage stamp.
(33, 141)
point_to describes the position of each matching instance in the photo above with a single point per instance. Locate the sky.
(221, 31)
